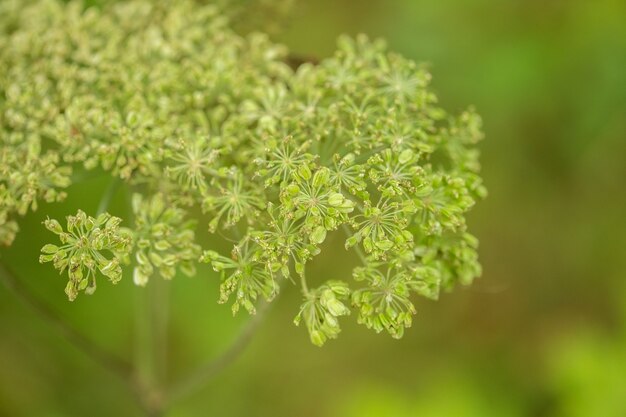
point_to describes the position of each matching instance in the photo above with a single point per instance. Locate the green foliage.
(191, 115)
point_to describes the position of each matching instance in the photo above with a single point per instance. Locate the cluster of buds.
(88, 245)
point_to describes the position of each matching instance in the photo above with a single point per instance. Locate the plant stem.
(150, 353)
(160, 314)
(143, 338)
(108, 195)
(356, 247)
(305, 287)
(210, 369)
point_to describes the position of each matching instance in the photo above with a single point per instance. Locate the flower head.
(88, 245)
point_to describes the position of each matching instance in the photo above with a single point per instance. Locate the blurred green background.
(542, 333)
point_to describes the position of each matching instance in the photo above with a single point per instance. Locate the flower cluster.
(320, 310)
(88, 245)
(164, 239)
(27, 175)
(244, 275)
(203, 122)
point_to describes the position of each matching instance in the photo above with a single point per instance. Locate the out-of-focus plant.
(188, 115)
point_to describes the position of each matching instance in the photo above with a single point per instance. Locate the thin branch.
(356, 247)
(210, 369)
(98, 354)
(108, 195)
(305, 288)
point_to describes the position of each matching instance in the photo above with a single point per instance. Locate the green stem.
(150, 333)
(356, 247)
(305, 288)
(212, 368)
(108, 195)
(146, 348)
(143, 335)
(160, 314)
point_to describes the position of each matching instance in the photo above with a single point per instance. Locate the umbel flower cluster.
(199, 122)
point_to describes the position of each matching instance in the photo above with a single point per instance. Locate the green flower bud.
(50, 249)
(318, 235)
(54, 226)
(336, 199)
(384, 244)
(318, 338)
(304, 172)
(405, 156)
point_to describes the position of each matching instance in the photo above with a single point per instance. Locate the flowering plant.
(213, 132)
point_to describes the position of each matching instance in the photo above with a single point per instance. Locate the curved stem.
(98, 354)
(212, 368)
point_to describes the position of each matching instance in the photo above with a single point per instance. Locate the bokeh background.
(542, 333)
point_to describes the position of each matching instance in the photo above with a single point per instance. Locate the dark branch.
(295, 60)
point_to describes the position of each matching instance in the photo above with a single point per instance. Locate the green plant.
(201, 125)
